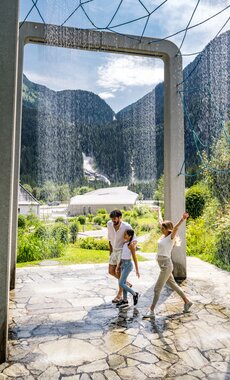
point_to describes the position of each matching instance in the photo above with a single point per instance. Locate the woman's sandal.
(116, 300)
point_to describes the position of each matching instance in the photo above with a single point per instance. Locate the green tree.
(73, 228)
(28, 188)
(63, 192)
(61, 232)
(196, 197)
(82, 219)
(48, 191)
(81, 190)
(37, 192)
(159, 190)
(21, 221)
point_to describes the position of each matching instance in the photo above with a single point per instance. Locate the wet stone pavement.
(64, 326)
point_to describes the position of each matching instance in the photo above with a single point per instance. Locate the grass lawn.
(147, 219)
(89, 227)
(150, 245)
(74, 255)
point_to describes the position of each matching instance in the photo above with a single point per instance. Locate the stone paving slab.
(64, 326)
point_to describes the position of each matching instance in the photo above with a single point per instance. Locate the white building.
(110, 198)
(27, 203)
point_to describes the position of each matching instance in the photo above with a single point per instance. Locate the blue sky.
(119, 79)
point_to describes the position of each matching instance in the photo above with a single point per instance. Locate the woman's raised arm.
(177, 225)
(160, 219)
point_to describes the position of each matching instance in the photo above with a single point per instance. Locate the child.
(126, 267)
(165, 246)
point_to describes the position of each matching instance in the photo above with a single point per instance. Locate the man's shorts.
(115, 257)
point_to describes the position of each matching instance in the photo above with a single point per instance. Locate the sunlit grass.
(75, 255)
(150, 245)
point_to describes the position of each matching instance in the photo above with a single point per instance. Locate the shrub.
(21, 221)
(104, 219)
(127, 219)
(146, 227)
(101, 211)
(72, 219)
(140, 211)
(92, 243)
(134, 213)
(133, 223)
(73, 228)
(97, 220)
(61, 232)
(196, 197)
(223, 239)
(56, 248)
(82, 219)
(33, 220)
(199, 240)
(41, 232)
(32, 248)
(90, 217)
(126, 214)
(60, 219)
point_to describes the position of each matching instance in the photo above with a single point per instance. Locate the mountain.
(206, 97)
(206, 90)
(58, 127)
(138, 122)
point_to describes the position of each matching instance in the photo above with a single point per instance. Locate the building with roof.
(109, 198)
(27, 203)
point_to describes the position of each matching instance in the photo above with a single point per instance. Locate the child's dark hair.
(130, 233)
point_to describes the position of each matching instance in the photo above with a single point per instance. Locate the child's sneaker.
(187, 306)
(123, 304)
(119, 303)
(135, 298)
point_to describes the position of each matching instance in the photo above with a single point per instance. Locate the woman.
(165, 246)
(126, 267)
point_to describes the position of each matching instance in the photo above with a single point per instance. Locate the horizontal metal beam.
(85, 39)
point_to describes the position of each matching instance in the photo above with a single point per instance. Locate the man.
(116, 229)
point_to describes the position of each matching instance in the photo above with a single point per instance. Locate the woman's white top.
(165, 246)
(126, 252)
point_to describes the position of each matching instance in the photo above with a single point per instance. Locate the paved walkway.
(63, 326)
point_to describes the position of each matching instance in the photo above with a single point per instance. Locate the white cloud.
(120, 72)
(178, 15)
(106, 95)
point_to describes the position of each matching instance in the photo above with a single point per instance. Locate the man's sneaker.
(124, 304)
(187, 306)
(135, 298)
(149, 314)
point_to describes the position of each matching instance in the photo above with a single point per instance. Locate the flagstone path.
(63, 326)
